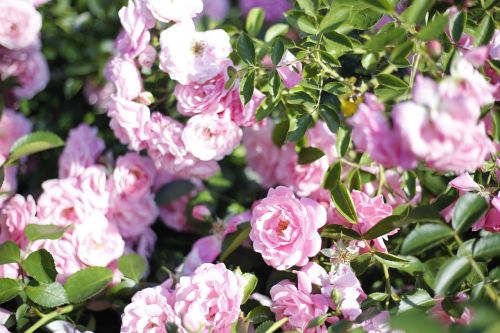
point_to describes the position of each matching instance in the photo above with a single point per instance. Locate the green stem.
(48, 317)
(387, 285)
(414, 69)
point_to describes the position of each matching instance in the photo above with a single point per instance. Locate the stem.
(414, 69)
(381, 181)
(387, 285)
(48, 317)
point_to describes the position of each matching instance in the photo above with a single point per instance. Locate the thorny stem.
(48, 317)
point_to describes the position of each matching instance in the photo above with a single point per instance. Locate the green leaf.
(468, 209)
(280, 131)
(2, 175)
(260, 314)
(424, 237)
(337, 44)
(451, 275)
(417, 299)
(495, 116)
(35, 232)
(343, 141)
(173, 191)
(402, 51)
(458, 24)
(416, 12)
(487, 247)
(306, 25)
(87, 283)
(334, 18)
(270, 327)
(247, 86)
(255, 20)
(308, 6)
(246, 49)
(485, 31)
(9, 253)
(381, 6)
(308, 155)
(40, 265)
(390, 80)
(434, 28)
(390, 260)
(9, 288)
(278, 51)
(354, 179)
(302, 124)
(22, 317)
(318, 321)
(332, 175)
(409, 183)
(33, 143)
(343, 203)
(47, 295)
(330, 115)
(360, 263)
(275, 31)
(391, 37)
(250, 284)
(234, 240)
(133, 266)
(336, 231)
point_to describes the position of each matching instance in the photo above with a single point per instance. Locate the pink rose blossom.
(377, 324)
(174, 10)
(437, 312)
(201, 212)
(13, 125)
(128, 121)
(147, 57)
(9, 271)
(215, 9)
(209, 137)
(15, 214)
(298, 305)
(370, 211)
(60, 326)
(290, 70)
(212, 291)
(242, 115)
(285, 229)
(81, 150)
(133, 175)
(144, 245)
(136, 20)
(133, 217)
(174, 215)
(123, 73)
(94, 184)
(191, 56)
(465, 182)
(20, 24)
(204, 250)
(396, 196)
(149, 312)
(274, 8)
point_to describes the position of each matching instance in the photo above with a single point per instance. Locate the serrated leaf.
(247, 86)
(173, 191)
(343, 203)
(234, 240)
(308, 155)
(468, 209)
(87, 283)
(255, 20)
(9, 288)
(33, 143)
(47, 295)
(249, 286)
(424, 237)
(35, 232)
(133, 266)
(40, 265)
(9, 253)
(451, 275)
(246, 49)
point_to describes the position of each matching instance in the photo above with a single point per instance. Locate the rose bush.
(249, 166)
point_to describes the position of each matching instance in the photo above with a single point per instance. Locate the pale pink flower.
(98, 243)
(136, 20)
(4, 316)
(81, 150)
(133, 216)
(290, 70)
(61, 326)
(214, 292)
(128, 121)
(201, 212)
(133, 175)
(191, 56)
(147, 57)
(175, 10)
(204, 250)
(209, 137)
(215, 9)
(174, 215)
(15, 215)
(465, 183)
(20, 24)
(492, 219)
(369, 211)
(298, 305)
(123, 73)
(13, 125)
(262, 154)
(285, 229)
(393, 193)
(149, 312)
(144, 245)
(437, 312)
(94, 184)
(274, 8)
(9, 271)
(242, 115)
(377, 324)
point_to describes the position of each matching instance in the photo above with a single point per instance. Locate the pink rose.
(215, 9)
(209, 137)
(15, 215)
(81, 150)
(212, 291)
(144, 245)
(242, 115)
(128, 121)
(437, 312)
(133, 175)
(175, 10)
(94, 184)
(290, 70)
(150, 310)
(147, 57)
(10, 271)
(136, 20)
(274, 8)
(285, 229)
(174, 215)
(377, 324)
(98, 243)
(123, 73)
(201, 212)
(298, 305)
(370, 211)
(13, 125)
(20, 24)
(133, 217)
(204, 250)
(393, 192)
(191, 56)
